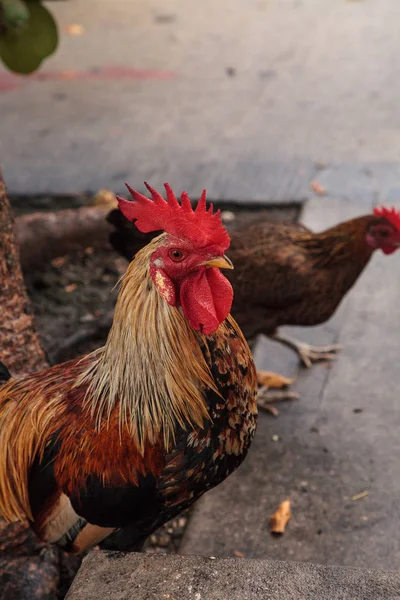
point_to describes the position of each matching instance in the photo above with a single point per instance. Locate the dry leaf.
(89, 250)
(59, 261)
(318, 188)
(279, 520)
(75, 29)
(360, 495)
(227, 216)
(238, 554)
(70, 288)
(104, 197)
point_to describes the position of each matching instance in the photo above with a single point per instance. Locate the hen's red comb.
(390, 214)
(199, 226)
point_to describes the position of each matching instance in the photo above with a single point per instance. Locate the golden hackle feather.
(151, 365)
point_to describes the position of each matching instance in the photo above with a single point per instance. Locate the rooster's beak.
(220, 262)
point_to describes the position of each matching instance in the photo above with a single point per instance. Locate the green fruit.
(14, 13)
(23, 50)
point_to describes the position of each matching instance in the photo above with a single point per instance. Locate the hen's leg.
(307, 353)
(267, 395)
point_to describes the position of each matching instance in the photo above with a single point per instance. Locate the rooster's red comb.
(390, 214)
(200, 226)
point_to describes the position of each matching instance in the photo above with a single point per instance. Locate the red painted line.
(10, 82)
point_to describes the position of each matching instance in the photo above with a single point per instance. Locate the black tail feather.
(5, 374)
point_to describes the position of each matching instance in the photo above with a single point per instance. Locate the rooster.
(135, 432)
(288, 275)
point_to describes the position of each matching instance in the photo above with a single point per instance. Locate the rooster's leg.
(267, 395)
(273, 380)
(308, 354)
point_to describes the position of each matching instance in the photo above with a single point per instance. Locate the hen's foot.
(308, 354)
(266, 398)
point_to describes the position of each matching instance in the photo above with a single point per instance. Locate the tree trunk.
(29, 569)
(20, 349)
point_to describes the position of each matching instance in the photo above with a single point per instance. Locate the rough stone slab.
(117, 576)
(256, 93)
(326, 453)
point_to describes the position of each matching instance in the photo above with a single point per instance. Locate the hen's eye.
(176, 255)
(384, 233)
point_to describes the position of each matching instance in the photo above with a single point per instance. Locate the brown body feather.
(131, 433)
(291, 276)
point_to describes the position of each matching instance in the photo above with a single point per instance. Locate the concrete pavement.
(249, 99)
(112, 575)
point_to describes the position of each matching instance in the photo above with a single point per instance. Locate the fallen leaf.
(75, 29)
(70, 287)
(318, 188)
(360, 495)
(238, 554)
(104, 197)
(227, 216)
(59, 261)
(279, 520)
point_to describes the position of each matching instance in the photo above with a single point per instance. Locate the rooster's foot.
(273, 380)
(267, 398)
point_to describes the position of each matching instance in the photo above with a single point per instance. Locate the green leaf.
(23, 50)
(42, 30)
(14, 13)
(18, 61)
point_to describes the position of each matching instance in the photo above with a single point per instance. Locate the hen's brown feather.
(293, 277)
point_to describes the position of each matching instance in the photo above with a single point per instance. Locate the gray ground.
(253, 100)
(140, 577)
(246, 98)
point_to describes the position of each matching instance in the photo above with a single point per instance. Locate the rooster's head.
(185, 266)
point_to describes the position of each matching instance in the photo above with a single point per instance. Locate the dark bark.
(20, 349)
(29, 568)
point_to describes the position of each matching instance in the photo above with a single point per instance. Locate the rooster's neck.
(151, 368)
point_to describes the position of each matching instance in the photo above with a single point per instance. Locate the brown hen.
(288, 275)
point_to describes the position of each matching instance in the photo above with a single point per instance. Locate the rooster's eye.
(176, 255)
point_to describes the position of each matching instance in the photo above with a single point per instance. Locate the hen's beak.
(220, 262)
